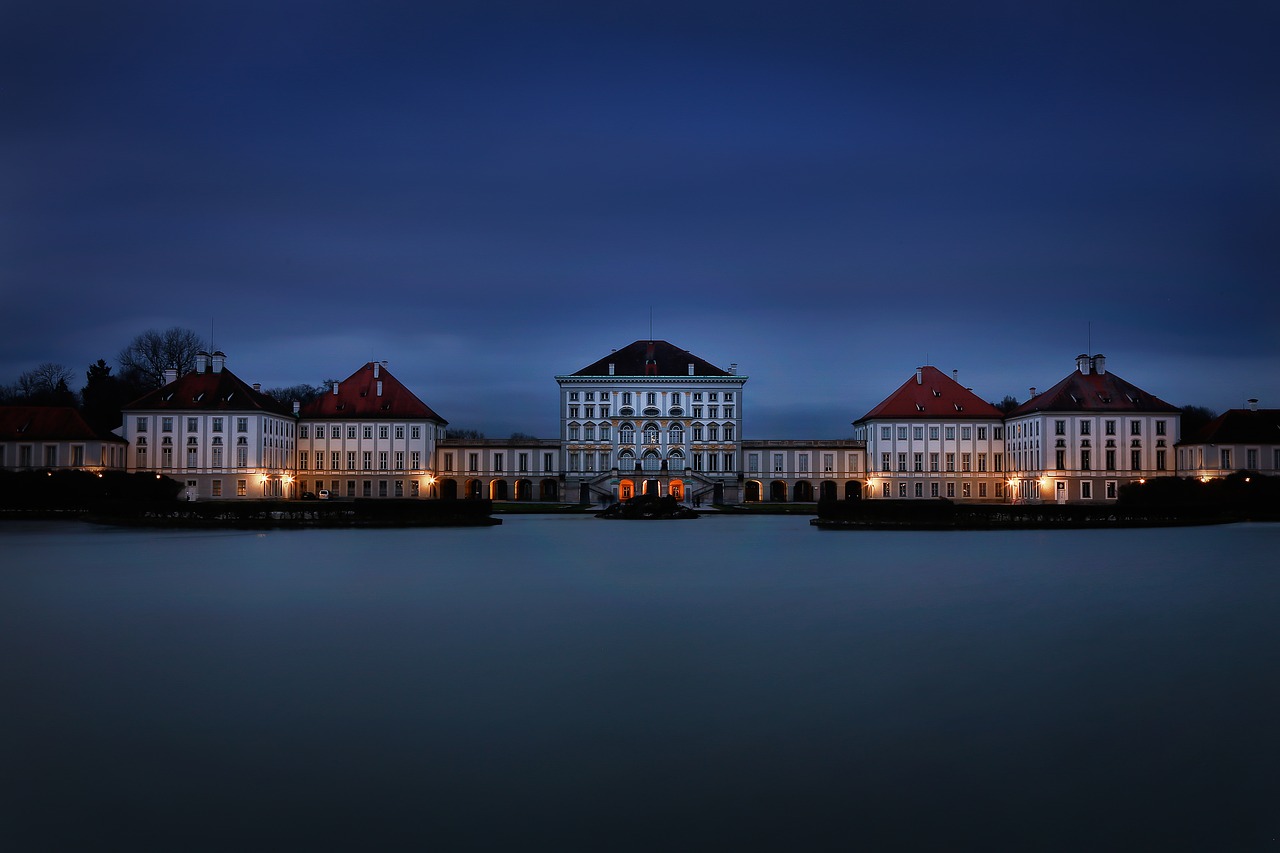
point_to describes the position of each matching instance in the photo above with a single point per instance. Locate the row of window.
(948, 459)
(366, 460)
(916, 489)
(215, 424)
(652, 434)
(651, 397)
(917, 433)
(1108, 427)
(498, 461)
(358, 430)
(1109, 460)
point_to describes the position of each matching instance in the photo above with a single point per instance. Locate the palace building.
(652, 418)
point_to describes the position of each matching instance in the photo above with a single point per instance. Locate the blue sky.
(488, 194)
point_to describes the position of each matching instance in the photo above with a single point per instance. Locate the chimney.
(691, 368)
(611, 368)
(1032, 389)
(1099, 364)
(955, 376)
(375, 371)
(296, 407)
(335, 389)
(1082, 363)
(257, 386)
(379, 384)
(170, 375)
(919, 375)
(733, 368)
(202, 361)
(219, 360)
(1253, 404)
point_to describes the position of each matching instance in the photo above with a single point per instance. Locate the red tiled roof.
(1239, 426)
(934, 396)
(46, 423)
(221, 391)
(651, 358)
(358, 397)
(1093, 392)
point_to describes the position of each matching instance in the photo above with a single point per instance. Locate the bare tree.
(46, 385)
(153, 352)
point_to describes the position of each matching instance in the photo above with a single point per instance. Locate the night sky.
(488, 194)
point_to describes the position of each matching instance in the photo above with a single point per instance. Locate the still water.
(571, 684)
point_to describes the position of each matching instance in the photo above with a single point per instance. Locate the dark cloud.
(489, 194)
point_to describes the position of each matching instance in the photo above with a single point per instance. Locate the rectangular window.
(473, 461)
(1135, 427)
(1109, 427)
(999, 489)
(933, 436)
(1111, 460)
(982, 433)
(884, 462)
(951, 462)
(1085, 427)
(303, 460)
(497, 462)
(902, 489)
(193, 424)
(215, 488)
(242, 424)
(573, 462)
(1251, 457)
(334, 460)
(828, 462)
(951, 433)
(951, 490)
(919, 490)
(886, 434)
(366, 488)
(885, 491)
(1160, 427)
(166, 424)
(902, 433)
(1059, 427)
(917, 434)
(933, 463)
(448, 461)
(982, 461)
(933, 490)
(997, 433)
(982, 490)
(400, 488)
(399, 435)
(367, 458)
(242, 488)
(524, 462)
(964, 490)
(1086, 460)
(1060, 460)
(1111, 490)
(902, 461)
(382, 488)
(1160, 460)
(302, 431)
(966, 433)
(548, 462)
(351, 488)
(1135, 460)
(1086, 490)
(415, 460)
(778, 461)
(382, 431)
(366, 431)
(217, 457)
(917, 462)
(753, 463)
(965, 461)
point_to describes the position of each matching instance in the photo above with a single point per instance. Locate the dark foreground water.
(572, 684)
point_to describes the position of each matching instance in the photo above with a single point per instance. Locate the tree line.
(139, 368)
(143, 361)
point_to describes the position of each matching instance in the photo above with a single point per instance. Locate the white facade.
(652, 417)
(214, 434)
(1087, 436)
(798, 470)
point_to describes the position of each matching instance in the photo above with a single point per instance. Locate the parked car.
(324, 494)
(308, 496)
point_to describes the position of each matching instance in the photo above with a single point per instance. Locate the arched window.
(676, 434)
(651, 462)
(650, 433)
(626, 434)
(574, 432)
